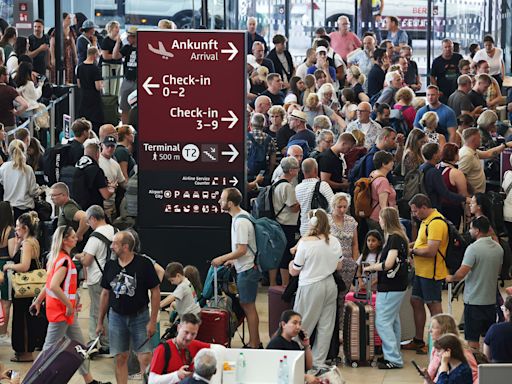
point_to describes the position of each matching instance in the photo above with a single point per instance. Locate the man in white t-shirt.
(243, 248)
(96, 253)
(112, 172)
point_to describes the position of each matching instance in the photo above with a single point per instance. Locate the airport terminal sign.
(191, 101)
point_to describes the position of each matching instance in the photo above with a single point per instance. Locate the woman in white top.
(317, 258)
(494, 56)
(18, 180)
(26, 87)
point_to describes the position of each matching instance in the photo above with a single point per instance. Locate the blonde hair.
(418, 102)
(277, 109)
(59, 235)
(356, 72)
(447, 323)
(17, 154)
(340, 196)
(325, 88)
(486, 119)
(428, 119)
(312, 100)
(111, 24)
(406, 94)
(319, 224)
(360, 137)
(391, 219)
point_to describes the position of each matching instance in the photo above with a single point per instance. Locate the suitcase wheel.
(374, 364)
(354, 364)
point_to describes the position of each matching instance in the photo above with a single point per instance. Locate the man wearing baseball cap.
(129, 54)
(85, 40)
(112, 172)
(323, 63)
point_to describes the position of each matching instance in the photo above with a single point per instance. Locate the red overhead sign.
(191, 108)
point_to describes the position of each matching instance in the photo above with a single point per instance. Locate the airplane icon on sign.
(160, 51)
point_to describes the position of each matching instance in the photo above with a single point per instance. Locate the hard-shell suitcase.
(215, 322)
(276, 306)
(364, 297)
(58, 364)
(358, 333)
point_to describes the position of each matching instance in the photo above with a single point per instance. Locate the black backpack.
(257, 155)
(107, 243)
(318, 200)
(54, 160)
(263, 205)
(456, 247)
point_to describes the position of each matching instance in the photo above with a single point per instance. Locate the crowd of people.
(392, 174)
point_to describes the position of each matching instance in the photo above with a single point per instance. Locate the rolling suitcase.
(58, 364)
(364, 297)
(358, 333)
(215, 322)
(276, 306)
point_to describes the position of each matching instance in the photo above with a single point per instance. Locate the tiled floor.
(103, 369)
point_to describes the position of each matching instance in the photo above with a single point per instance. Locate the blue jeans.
(126, 329)
(387, 322)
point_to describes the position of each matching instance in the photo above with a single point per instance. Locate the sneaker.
(388, 365)
(381, 359)
(413, 345)
(5, 339)
(135, 376)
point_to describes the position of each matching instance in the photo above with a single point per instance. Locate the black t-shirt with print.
(129, 53)
(446, 73)
(129, 285)
(399, 282)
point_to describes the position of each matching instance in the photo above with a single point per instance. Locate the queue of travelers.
(349, 113)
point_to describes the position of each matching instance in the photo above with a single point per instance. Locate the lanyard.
(188, 358)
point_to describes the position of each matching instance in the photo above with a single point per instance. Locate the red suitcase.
(215, 322)
(276, 306)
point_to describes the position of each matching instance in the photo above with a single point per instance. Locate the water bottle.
(240, 369)
(284, 379)
(280, 372)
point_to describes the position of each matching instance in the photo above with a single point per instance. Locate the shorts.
(247, 283)
(289, 231)
(124, 330)
(127, 87)
(477, 320)
(427, 290)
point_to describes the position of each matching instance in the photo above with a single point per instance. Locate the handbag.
(29, 284)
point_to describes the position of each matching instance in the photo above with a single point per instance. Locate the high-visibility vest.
(55, 309)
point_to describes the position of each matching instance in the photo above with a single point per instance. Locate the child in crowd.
(371, 252)
(192, 274)
(184, 296)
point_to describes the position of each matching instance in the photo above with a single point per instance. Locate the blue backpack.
(301, 143)
(257, 155)
(270, 242)
(223, 274)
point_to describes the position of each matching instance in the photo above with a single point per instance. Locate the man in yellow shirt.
(429, 251)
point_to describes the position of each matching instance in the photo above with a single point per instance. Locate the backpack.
(414, 184)
(507, 260)
(270, 242)
(363, 197)
(257, 155)
(397, 120)
(456, 247)
(375, 97)
(301, 143)
(54, 159)
(167, 359)
(263, 205)
(79, 188)
(318, 200)
(107, 243)
(359, 169)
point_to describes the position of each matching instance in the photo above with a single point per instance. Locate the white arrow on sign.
(233, 153)
(233, 119)
(147, 85)
(233, 51)
(233, 181)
